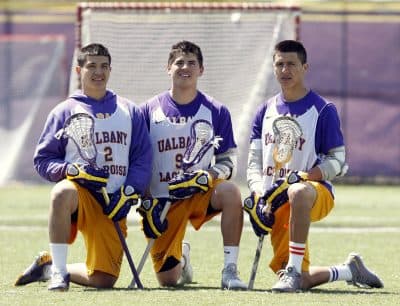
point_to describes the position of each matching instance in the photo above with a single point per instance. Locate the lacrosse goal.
(236, 40)
(32, 78)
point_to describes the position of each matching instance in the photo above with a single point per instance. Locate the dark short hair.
(185, 46)
(292, 46)
(92, 50)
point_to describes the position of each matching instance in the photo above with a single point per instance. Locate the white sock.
(231, 254)
(341, 272)
(183, 262)
(296, 255)
(59, 256)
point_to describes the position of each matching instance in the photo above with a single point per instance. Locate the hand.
(261, 220)
(277, 195)
(120, 203)
(87, 176)
(150, 210)
(185, 185)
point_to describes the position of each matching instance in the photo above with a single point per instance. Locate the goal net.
(236, 40)
(33, 79)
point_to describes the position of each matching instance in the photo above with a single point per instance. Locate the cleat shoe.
(59, 282)
(362, 276)
(230, 279)
(38, 271)
(289, 281)
(187, 271)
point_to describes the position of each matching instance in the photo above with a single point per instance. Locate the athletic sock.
(183, 262)
(296, 255)
(59, 257)
(231, 254)
(341, 272)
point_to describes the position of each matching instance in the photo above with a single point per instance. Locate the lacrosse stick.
(202, 138)
(286, 133)
(80, 129)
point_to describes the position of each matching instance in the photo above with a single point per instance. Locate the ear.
(305, 66)
(201, 70)
(168, 69)
(78, 69)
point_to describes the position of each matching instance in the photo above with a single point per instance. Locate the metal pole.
(344, 69)
(7, 70)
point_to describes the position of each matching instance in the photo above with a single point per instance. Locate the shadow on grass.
(352, 292)
(194, 287)
(188, 287)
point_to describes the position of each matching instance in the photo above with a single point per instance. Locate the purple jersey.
(128, 159)
(320, 124)
(169, 125)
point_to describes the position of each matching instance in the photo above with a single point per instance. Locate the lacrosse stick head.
(201, 140)
(286, 133)
(80, 129)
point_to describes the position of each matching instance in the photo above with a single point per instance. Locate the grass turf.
(361, 221)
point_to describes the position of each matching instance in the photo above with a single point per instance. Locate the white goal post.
(236, 40)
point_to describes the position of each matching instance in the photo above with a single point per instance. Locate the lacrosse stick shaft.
(255, 262)
(150, 244)
(128, 256)
(124, 245)
(258, 249)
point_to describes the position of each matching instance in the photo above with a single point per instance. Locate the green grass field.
(365, 219)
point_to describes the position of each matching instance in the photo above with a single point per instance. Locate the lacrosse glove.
(185, 185)
(151, 210)
(277, 195)
(261, 220)
(120, 203)
(87, 176)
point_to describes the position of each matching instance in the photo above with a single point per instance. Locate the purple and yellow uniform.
(320, 124)
(124, 150)
(169, 125)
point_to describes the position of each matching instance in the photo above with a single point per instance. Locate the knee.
(169, 278)
(306, 281)
(227, 195)
(302, 195)
(168, 282)
(63, 194)
(229, 192)
(102, 280)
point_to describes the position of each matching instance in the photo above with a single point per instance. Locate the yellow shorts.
(280, 231)
(104, 249)
(194, 210)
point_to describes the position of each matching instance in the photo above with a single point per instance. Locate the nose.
(98, 70)
(285, 67)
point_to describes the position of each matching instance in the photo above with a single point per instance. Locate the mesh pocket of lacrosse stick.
(286, 132)
(80, 128)
(201, 140)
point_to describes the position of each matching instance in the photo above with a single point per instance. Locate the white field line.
(133, 225)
